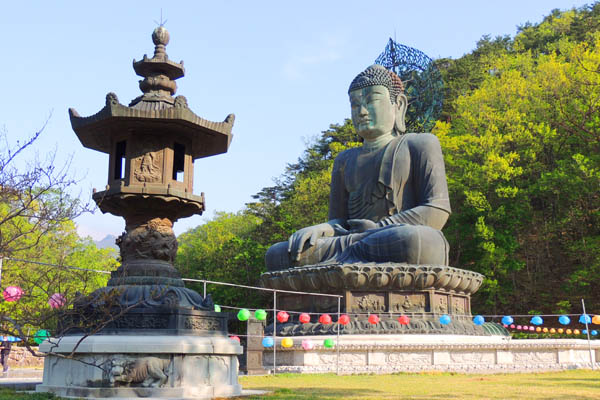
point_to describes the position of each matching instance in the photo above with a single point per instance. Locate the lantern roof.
(156, 111)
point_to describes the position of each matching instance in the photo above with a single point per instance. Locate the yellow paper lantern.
(560, 330)
(545, 330)
(552, 330)
(596, 319)
(287, 342)
(576, 332)
(538, 329)
(569, 331)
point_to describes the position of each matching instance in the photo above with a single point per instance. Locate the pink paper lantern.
(307, 344)
(532, 328)
(512, 326)
(12, 293)
(236, 338)
(57, 300)
(519, 327)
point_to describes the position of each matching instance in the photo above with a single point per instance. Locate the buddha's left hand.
(360, 225)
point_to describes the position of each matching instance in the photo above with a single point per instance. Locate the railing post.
(587, 329)
(274, 332)
(337, 362)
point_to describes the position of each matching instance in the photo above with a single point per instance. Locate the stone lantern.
(152, 144)
(161, 338)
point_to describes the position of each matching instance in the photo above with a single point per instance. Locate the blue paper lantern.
(268, 341)
(564, 320)
(584, 332)
(507, 320)
(478, 320)
(445, 319)
(594, 332)
(537, 320)
(585, 319)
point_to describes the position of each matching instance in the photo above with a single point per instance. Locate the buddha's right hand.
(306, 235)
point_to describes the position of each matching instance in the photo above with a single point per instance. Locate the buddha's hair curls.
(378, 75)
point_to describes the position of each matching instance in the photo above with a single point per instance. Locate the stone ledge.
(451, 353)
(142, 344)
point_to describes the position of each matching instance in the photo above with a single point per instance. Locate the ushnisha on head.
(373, 82)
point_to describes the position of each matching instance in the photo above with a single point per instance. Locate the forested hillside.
(520, 132)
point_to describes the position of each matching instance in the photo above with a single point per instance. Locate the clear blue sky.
(282, 67)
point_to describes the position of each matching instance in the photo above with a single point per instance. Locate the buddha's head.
(378, 103)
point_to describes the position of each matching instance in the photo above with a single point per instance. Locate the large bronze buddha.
(389, 198)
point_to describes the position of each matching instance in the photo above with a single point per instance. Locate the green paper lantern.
(328, 343)
(217, 308)
(260, 315)
(40, 336)
(243, 314)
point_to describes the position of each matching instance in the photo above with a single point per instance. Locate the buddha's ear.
(401, 106)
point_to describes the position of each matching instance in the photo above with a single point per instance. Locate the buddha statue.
(389, 197)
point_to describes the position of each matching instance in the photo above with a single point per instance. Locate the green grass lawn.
(578, 384)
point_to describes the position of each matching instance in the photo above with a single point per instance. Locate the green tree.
(522, 160)
(223, 249)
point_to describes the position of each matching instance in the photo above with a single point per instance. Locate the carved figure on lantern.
(389, 198)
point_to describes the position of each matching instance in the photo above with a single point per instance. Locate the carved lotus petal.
(356, 279)
(443, 277)
(404, 280)
(379, 279)
(334, 278)
(454, 281)
(475, 284)
(425, 279)
(274, 282)
(312, 280)
(293, 281)
(465, 283)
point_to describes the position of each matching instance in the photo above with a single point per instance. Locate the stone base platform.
(149, 366)
(384, 354)
(421, 292)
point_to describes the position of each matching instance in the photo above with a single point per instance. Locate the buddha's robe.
(401, 187)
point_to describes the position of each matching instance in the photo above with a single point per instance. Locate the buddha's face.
(373, 113)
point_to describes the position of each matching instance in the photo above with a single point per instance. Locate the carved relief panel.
(459, 305)
(367, 302)
(409, 302)
(147, 160)
(440, 303)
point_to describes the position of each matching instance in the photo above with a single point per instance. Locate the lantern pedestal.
(131, 366)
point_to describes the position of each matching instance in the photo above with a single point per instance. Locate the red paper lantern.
(235, 338)
(304, 318)
(373, 319)
(282, 316)
(325, 319)
(344, 319)
(404, 320)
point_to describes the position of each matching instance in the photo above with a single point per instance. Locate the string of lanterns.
(58, 300)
